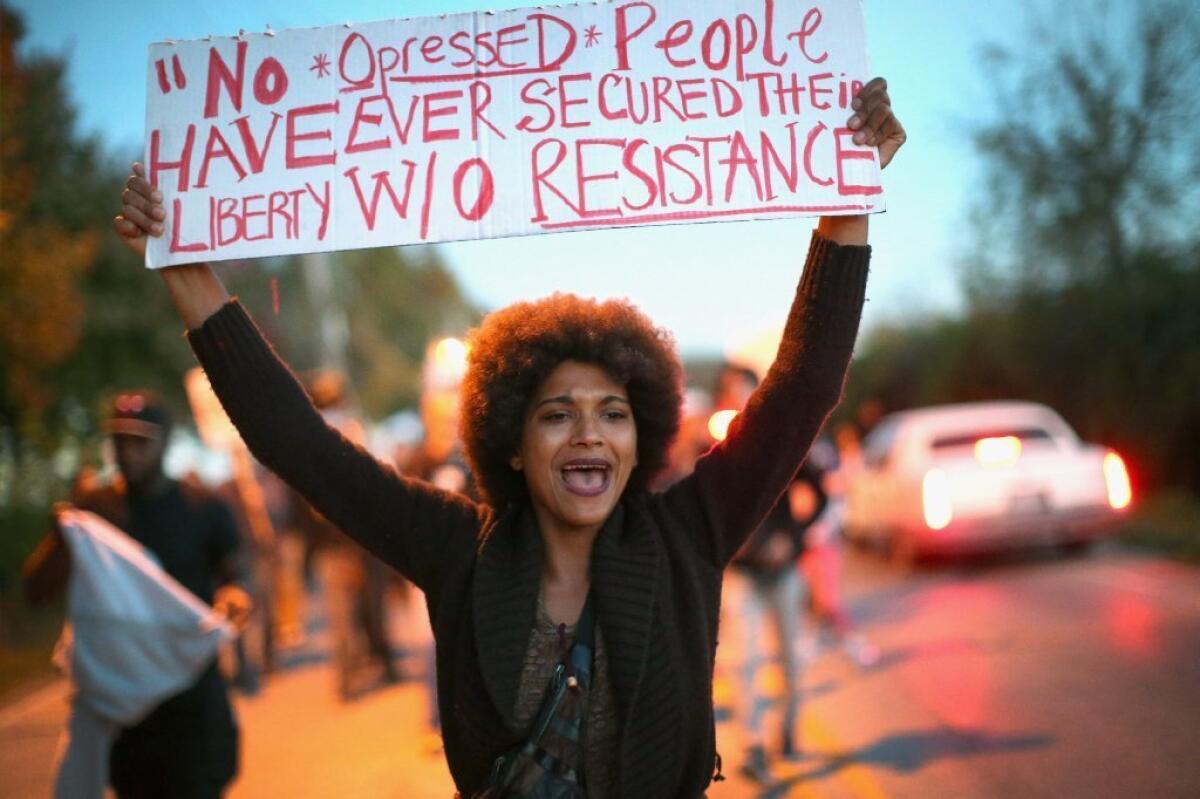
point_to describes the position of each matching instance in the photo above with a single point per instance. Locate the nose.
(587, 432)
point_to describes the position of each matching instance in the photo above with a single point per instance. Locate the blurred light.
(935, 497)
(1133, 624)
(445, 363)
(718, 424)
(451, 354)
(998, 452)
(1116, 477)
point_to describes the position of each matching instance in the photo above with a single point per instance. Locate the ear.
(516, 462)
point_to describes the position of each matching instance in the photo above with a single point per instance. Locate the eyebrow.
(567, 399)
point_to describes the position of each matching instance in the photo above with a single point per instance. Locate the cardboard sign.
(506, 123)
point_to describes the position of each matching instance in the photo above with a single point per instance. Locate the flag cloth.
(134, 637)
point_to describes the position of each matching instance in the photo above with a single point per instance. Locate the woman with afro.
(569, 407)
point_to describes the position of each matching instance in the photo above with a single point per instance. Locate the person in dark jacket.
(188, 745)
(568, 408)
(767, 584)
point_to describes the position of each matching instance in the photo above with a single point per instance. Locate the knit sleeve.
(736, 483)
(408, 524)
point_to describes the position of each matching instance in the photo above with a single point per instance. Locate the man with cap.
(188, 745)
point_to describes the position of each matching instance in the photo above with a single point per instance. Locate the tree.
(47, 247)
(1085, 242)
(80, 319)
(395, 300)
(1091, 148)
(1083, 270)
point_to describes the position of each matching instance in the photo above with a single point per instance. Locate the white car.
(961, 479)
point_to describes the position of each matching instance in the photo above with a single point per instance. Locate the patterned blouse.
(547, 643)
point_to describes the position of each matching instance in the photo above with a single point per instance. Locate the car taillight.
(1116, 479)
(935, 498)
(997, 452)
(718, 424)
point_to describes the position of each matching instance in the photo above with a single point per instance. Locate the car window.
(1027, 435)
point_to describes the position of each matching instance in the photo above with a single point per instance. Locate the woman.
(568, 407)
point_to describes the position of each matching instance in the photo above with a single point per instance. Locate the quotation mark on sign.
(176, 72)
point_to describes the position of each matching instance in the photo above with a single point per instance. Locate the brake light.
(1116, 479)
(718, 424)
(998, 452)
(935, 498)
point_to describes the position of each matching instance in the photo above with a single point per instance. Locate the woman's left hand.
(874, 123)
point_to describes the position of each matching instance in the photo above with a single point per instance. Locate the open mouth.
(586, 477)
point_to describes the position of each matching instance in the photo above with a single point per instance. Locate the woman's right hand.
(195, 289)
(142, 213)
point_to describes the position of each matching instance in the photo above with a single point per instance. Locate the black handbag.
(530, 771)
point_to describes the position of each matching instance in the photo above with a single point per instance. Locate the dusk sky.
(714, 284)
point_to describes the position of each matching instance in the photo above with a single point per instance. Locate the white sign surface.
(506, 123)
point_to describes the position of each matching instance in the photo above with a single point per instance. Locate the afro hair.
(516, 348)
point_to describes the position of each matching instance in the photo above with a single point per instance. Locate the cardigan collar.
(625, 570)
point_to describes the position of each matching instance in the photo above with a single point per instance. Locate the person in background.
(188, 745)
(439, 460)
(291, 550)
(763, 583)
(254, 650)
(693, 439)
(351, 584)
(735, 384)
(825, 551)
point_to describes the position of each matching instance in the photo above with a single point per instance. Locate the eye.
(555, 416)
(615, 414)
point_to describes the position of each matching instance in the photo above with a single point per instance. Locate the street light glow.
(450, 354)
(718, 424)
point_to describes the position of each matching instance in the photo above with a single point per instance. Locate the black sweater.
(656, 564)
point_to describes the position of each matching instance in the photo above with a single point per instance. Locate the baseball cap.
(138, 413)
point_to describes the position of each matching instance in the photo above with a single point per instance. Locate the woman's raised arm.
(410, 525)
(738, 481)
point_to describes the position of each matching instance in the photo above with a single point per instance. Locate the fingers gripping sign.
(142, 212)
(873, 122)
(196, 291)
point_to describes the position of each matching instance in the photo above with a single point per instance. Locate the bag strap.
(578, 664)
(582, 654)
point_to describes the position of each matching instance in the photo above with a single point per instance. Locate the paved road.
(1038, 676)
(1034, 677)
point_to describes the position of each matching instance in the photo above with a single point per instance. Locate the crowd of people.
(554, 539)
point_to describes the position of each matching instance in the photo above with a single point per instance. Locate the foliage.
(47, 247)
(1166, 523)
(385, 305)
(79, 319)
(27, 634)
(1083, 275)
(1090, 147)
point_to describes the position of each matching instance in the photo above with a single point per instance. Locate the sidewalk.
(299, 741)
